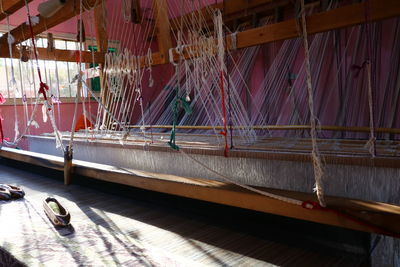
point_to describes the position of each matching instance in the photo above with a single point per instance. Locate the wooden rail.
(320, 22)
(274, 128)
(334, 151)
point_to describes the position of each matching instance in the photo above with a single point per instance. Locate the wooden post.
(102, 46)
(163, 28)
(67, 165)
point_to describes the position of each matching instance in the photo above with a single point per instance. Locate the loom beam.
(350, 153)
(321, 22)
(275, 127)
(11, 6)
(382, 215)
(57, 54)
(22, 32)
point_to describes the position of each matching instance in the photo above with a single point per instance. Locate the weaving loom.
(292, 103)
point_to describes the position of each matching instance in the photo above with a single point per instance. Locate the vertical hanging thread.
(229, 103)
(79, 83)
(316, 158)
(224, 132)
(221, 53)
(371, 144)
(1, 131)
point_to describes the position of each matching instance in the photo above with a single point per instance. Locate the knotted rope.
(315, 155)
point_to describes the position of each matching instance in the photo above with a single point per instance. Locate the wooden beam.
(321, 22)
(275, 128)
(325, 21)
(101, 28)
(22, 32)
(58, 55)
(337, 18)
(231, 10)
(384, 217)
(163, 28)
(11, 6)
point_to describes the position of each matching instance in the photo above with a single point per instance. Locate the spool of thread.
(50, 7)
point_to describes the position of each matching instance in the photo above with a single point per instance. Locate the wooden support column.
(67, 165)
(101, 28)
(163, 29)
(102, 46)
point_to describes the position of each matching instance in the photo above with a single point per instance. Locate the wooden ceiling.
(235, 12)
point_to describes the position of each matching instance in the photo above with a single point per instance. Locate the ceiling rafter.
(69, 10)
(11, 6)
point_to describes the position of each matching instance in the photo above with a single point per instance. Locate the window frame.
(66, 37)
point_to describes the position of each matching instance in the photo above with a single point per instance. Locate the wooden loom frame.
(383, 215)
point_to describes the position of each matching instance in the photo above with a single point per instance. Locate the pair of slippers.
(8, 192)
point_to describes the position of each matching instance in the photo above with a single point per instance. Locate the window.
(56, 74)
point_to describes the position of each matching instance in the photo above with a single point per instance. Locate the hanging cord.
(221, 54)
(310, 205)
(43, 86)
(31, 121)
(1, 131)
(367, 65)
(316, 158)
(229, 101)
(229, 180)
(172, 141)
(13, 82)
(372, 140)
(79, 83)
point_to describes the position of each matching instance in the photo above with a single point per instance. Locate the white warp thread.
(229, 180)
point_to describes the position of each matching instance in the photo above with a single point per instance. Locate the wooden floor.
(141, 228)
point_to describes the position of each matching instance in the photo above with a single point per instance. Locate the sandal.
(4, 194)
(15, 191)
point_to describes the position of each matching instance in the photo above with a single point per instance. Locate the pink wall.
(63, 115)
